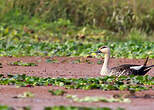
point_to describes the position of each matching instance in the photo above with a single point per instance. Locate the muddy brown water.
(65, 68)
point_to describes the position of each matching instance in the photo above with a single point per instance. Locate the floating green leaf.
(57, 92)
(21, 63)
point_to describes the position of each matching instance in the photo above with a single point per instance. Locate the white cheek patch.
(136, 67)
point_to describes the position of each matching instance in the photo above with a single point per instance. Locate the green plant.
(57, 92)
(52, 61)
(27, 46)
(26, 108)
(100, 62)
(21, 63)
(4, 107)
(131, 83)
(78, 108)
(110, 15)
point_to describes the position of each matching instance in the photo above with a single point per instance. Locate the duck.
(125, 69)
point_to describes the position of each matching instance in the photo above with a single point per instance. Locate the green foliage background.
(109, 14)
(76, 27)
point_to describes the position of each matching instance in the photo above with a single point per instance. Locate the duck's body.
(126, 69)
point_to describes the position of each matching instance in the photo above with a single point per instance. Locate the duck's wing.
(128, 69)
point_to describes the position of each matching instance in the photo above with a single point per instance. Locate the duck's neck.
(105, 68)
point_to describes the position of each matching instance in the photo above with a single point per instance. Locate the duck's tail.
(146, 68)
(145, 63)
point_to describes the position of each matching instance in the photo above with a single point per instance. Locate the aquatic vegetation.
(57, 92)
(21, 63)
(78, 108)
(16, 42)
(131, 83)
(5, 107)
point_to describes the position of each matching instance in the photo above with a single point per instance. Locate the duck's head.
(104, 49)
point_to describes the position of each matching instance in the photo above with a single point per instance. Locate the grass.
(131, 83)
(107, 14)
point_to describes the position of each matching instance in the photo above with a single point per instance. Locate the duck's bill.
(98, 51)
